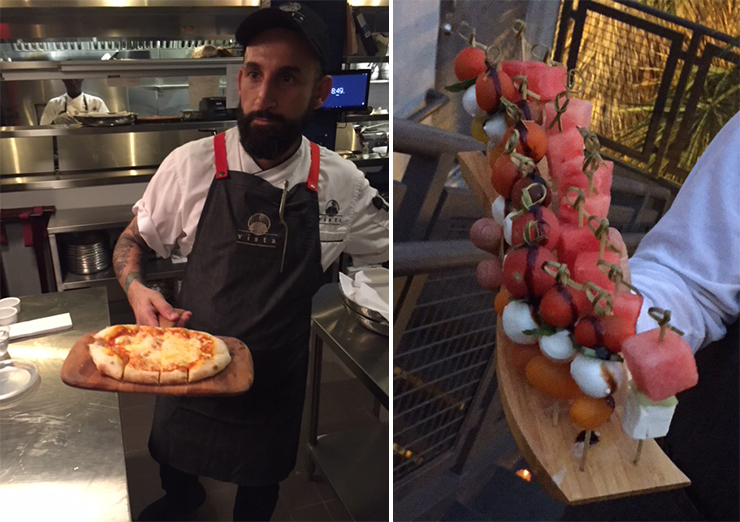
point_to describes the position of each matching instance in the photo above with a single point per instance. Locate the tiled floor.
(344, 404)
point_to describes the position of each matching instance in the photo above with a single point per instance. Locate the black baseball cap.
(293, 16)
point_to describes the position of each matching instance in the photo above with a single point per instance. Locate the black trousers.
(252, 503)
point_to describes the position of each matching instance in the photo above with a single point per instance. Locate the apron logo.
(332, 208)
(259, 224)
(331, 215)
(257, 233)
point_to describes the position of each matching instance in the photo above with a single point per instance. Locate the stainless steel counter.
(61, 448)
(355, 462)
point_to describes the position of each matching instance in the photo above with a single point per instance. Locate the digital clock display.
(349, 90)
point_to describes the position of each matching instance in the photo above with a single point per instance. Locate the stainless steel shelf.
(353, 463)
(80, 130)
(65, 180)
(71, 69)
(156, 269)
(84, 219)
(352, 118)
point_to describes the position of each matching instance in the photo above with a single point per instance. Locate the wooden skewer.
(586, 444)
(555, 413)
(639, 452)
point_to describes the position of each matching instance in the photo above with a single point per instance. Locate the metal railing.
(444, 323)
(649, 75)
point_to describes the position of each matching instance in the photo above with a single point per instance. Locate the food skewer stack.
(563, 286)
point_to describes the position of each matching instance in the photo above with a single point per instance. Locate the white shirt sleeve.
(159, 211)
(51, 111)
(367, 240)
(689, 262)
(99, 106)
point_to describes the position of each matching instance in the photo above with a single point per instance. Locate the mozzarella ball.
(495, 128)
(508, 220)
(498, 210)
(471, 105)
(595, 377)
(516, 318)
(559, 346)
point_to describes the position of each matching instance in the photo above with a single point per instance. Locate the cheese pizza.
(149, 355)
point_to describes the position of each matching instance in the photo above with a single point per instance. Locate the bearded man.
(248, 208)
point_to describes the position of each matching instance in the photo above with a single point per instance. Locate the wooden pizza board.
(609, 472)
(80, 371)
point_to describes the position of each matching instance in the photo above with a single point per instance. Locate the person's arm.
(688, 263)
(129, 257)
(50, 112)
(102, 107)
(368, 238)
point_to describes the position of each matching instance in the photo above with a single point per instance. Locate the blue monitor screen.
(349, 90)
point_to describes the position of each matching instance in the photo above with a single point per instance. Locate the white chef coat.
(689, 262)
(83, 103)
(349, 218)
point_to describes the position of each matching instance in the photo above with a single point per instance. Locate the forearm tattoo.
(129, 256)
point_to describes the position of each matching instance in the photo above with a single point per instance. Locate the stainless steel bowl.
(368, 318)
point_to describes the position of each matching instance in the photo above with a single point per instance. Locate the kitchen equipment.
(100, 119)
(366, 295)
(191, 115)
(213, 108)
(88, 252)
(16, 376)
(158, 119)
(11, 302)
(4, 340)
(8, 316)
(368, 318)
(79, 371)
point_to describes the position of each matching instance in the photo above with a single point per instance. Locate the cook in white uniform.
(260, 212)
(62, 109)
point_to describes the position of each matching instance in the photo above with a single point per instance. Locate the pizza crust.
(208, 368)
(176, 376)
(107, 363)
(137, 375)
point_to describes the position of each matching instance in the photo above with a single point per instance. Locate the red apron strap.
(219, 152)
(313, 173)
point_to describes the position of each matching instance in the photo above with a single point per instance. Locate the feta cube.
(644, 419)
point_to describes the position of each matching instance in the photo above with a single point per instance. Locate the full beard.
(273, 141)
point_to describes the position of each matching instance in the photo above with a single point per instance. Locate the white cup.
(8, 316)
(11, 302)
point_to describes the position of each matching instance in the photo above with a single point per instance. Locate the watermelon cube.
(578, 113)
(563, 147)
(586, 269)
(545, 80)
(594, 205)
(570, 174)
(550, 81)
(660, 369)
(573, 241)
(627, 305)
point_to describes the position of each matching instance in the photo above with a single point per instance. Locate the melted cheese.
(179, 351)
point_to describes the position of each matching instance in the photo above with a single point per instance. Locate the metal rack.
(112, 219)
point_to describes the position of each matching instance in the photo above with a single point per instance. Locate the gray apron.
(251, 275)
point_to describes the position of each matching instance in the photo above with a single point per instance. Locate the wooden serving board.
(79, 371)
(609, 471)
